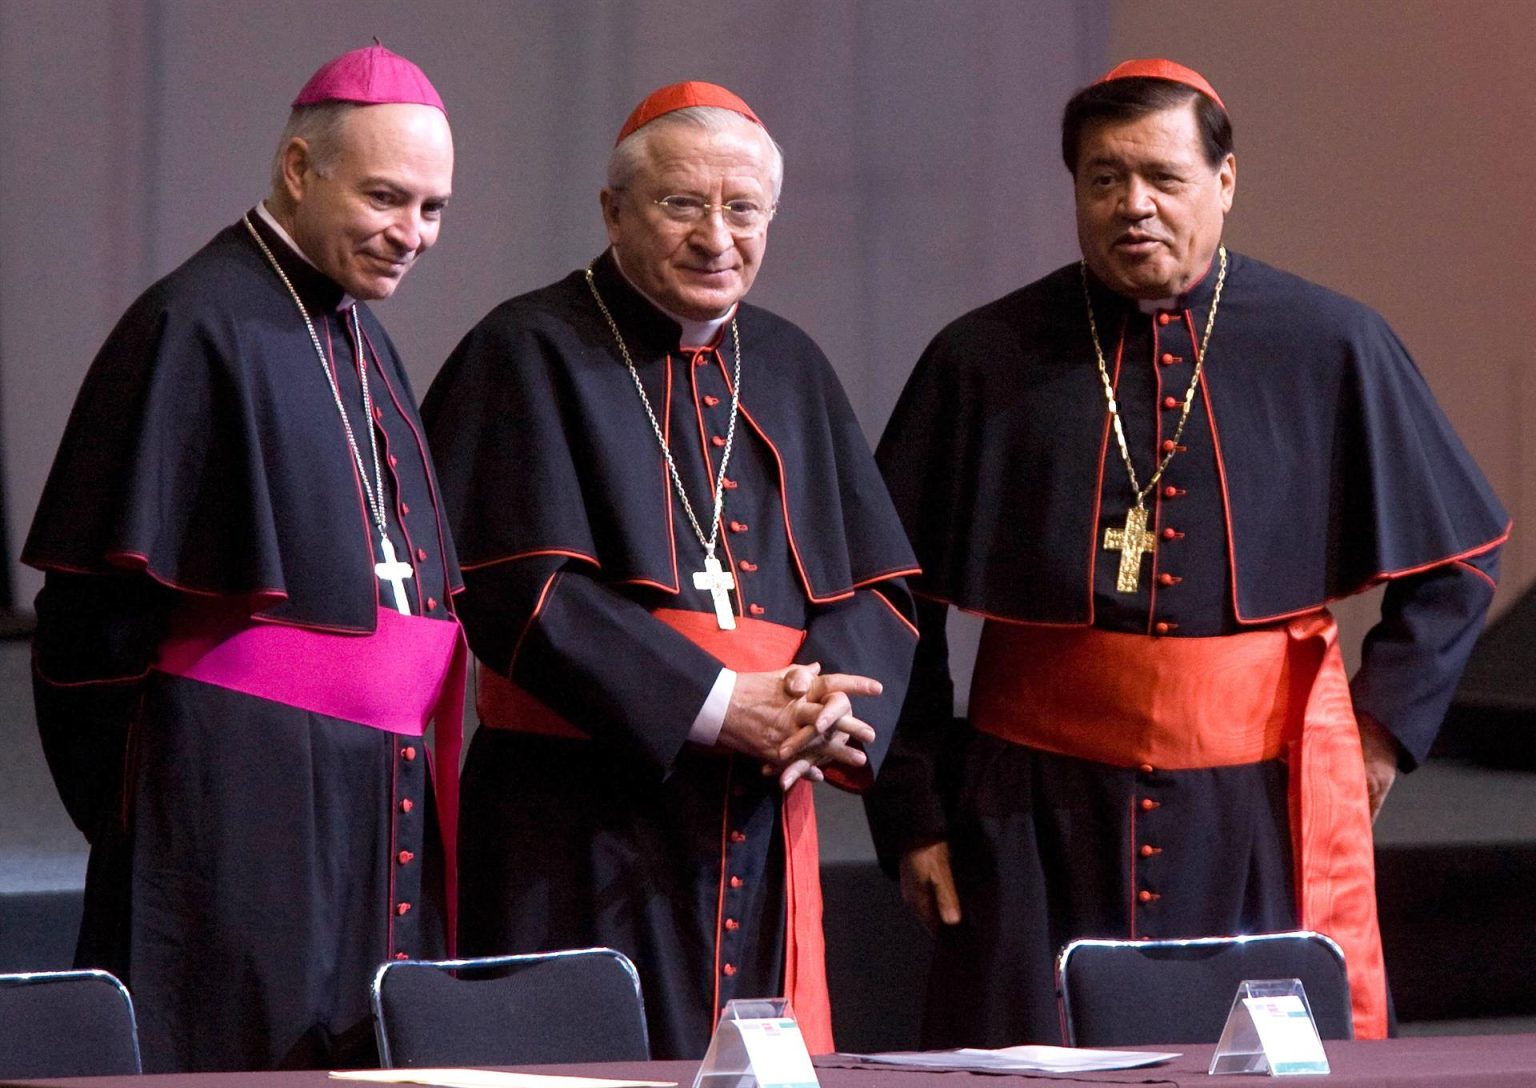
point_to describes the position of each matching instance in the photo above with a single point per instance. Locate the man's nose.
(406, 230)
(1136, 199)
(710, 231)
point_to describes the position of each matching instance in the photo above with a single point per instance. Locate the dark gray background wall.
(1384, 149)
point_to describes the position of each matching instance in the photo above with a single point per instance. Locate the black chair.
(1130, 993)
(583, 1005)
(66, 1024)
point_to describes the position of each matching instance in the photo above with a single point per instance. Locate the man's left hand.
(1381, 753)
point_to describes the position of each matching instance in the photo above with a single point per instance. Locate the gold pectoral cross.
(1132, 542)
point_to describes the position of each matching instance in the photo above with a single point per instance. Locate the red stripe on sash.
(408, 673)
(755, 646)
(1188, 703)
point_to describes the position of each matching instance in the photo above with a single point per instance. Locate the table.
(1469, 1061)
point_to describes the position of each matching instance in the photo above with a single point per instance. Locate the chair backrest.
(66, 1024)
(1128, 993)
(582, 1005)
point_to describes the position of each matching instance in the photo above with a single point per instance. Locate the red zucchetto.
(680, 96)
(1160, 68)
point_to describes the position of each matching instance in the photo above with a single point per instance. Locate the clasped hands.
(797, 720)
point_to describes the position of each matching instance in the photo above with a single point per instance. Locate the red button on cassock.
(732, 924)
(1166, 579)
(1163, 319)
(402, 909)
(407, 804)
(421, 555)
(1147, 851)
(728, 484)
(717, 441)
(1161, 628)
(737, 882)
(1168, 445)
(1169, 492)
(729, 969)
(747, 565)
(1147, 804)
(1170, 402)
(756, 609)
(1168, 359)
(1170, 533)
(1146, 768)
(405, 857)
(711, 400)
(405, 508)
(738, 836)
(431, 603)
(408, 753)
(402, 955)
(1145, 896)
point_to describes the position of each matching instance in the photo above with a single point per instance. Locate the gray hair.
(320, 127)
(632, 152)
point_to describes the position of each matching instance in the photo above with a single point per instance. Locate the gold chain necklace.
(714, 579)
(1133, 541)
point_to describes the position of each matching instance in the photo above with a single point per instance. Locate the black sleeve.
(906, 807)
(870, 634)
(1412, 660)
(597, 658)
(96, 639)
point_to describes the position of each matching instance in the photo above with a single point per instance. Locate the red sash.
(409, 672)
(755, 646)
(1187, 703)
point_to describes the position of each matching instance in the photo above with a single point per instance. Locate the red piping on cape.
(357, 484)
(538, 607)
(1380, 576)
(710, 470)
(531, 554)
(908, 624)
(1098, 490)
(426, 464)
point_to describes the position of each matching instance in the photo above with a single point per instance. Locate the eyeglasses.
(741, 216)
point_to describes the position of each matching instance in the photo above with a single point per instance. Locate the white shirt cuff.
(706, 727)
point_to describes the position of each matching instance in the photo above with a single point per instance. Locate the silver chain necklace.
(713, 579)
(391, 570)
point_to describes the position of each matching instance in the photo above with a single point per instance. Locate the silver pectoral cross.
(717, 582)
(395, 573)
(1132, 542)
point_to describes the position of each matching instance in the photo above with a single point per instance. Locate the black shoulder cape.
(202, 436)
(538, 391)
(1338, 468)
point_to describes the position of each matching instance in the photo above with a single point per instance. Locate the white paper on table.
(489, 1078)
(1020, 1059)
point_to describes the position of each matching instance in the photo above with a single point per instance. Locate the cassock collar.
(318, 290)
(1198, 297)
(682, 330)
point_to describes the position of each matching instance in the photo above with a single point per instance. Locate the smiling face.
(1150, 207)
(697, 270)
(379, 204)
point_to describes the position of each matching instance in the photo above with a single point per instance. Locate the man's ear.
(295, 168)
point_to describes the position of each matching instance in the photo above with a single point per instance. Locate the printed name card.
(757, 1044)
(1270, 1030)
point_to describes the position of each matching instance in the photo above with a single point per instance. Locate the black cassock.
(572, 536)
(251, 862)
(1315, 464)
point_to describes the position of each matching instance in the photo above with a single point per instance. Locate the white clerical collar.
(267, 218)
(695, 333)
(1152, 305)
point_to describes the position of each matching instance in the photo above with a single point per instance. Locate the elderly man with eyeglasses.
(685, 586)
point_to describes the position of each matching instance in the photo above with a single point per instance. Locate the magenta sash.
(409, 672)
